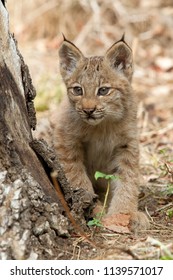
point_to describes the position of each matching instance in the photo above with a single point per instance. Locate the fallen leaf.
(117, 223)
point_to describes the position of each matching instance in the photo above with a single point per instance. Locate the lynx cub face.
(96, 127)
(97, 86)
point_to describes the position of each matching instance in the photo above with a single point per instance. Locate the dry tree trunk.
(31, 221)
(30, 217)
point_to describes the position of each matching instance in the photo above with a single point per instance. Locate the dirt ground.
(149, 32)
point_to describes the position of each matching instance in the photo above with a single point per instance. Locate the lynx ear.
(120, 58)
(69, 56)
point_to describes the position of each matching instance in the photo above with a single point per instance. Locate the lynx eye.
(77, 91)
(103, 91)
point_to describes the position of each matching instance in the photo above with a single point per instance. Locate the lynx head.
(98, 87)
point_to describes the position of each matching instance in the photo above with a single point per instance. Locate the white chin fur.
(93, 121)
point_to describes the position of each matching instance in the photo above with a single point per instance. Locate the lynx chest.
(99, 149)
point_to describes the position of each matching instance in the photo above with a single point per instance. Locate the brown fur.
(97, 131)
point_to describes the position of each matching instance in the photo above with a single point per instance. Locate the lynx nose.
(89, 111)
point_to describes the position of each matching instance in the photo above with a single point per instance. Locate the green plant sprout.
(169, 190)
(169, 213)
(97, 220)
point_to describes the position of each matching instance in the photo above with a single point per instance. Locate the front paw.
(126, 222)
(88, 198)
(84, 198)
(138, 221)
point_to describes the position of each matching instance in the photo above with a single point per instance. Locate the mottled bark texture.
(32, 221)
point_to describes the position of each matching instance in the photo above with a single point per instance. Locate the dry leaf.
(117, 223)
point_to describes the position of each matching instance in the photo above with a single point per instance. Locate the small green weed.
(169, 190)
(96, 221)
(169, 213)
(166, 258)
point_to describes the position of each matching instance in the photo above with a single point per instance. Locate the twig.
(44, 8)
(67, 210)
(131, 253)
(158, 132)
(164, 207)
(148, 214)
(85, 30)
(163, 248)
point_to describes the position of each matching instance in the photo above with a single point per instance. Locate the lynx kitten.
(97, 126)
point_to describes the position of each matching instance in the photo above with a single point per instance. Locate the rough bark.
(30, 217)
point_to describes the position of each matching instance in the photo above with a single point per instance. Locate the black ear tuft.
(64, 38)
(123, 38)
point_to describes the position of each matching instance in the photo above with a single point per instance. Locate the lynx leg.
(70, 156)
(125, 200)
(124, 191)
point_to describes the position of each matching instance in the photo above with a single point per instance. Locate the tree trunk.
(31, 221)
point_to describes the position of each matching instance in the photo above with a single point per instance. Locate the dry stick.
(164, 207)
(158, 132)
(67, 210)
(38, 12)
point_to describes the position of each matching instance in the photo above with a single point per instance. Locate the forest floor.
(153, 82)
